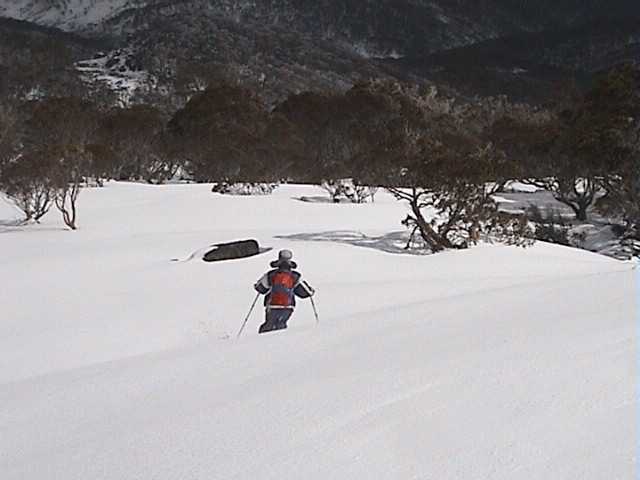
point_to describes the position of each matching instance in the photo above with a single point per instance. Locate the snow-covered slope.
(493, 363)
(65, 14)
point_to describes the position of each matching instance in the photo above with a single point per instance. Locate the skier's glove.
(309, 289)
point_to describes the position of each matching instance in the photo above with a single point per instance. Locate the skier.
(281, 286)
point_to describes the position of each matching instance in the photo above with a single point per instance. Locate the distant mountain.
(533, 65)
(165, 48)
(35, 60)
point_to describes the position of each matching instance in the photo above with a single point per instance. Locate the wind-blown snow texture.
(492, 363)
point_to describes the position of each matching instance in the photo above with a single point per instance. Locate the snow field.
(491, 363)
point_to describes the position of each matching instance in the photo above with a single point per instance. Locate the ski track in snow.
(491, 363)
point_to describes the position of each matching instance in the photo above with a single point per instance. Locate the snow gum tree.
(348, 135)
(7, 125)
(26, 180)
(222, 134)
(544, 159)
(68, 174)
(308, 113)
(583, 148)
(62, 130)
(138, 143)
(450, 196)
(617, 95)
(448, 177)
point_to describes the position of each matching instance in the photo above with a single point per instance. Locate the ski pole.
(315, 311)
(244, 324)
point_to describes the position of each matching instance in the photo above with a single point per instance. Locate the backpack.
(282, 287)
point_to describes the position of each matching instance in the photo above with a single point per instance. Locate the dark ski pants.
(276, 319)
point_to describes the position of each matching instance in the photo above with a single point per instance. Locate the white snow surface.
(491, 363)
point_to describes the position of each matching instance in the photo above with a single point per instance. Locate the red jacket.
(281, 287)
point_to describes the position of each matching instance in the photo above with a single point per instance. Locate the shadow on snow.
(394, 242)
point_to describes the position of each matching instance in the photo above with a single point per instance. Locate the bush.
(347, 188)
(244, 188)
(550, 226)
(28, 183)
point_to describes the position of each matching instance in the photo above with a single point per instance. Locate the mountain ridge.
(285, 46)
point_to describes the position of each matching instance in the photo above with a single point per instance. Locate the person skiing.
(280, 287)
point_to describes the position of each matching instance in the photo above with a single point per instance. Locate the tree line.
(440, 155)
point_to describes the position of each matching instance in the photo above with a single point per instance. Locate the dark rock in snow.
(232, 250)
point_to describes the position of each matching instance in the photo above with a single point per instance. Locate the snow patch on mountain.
(365, 51)
(116, 71)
